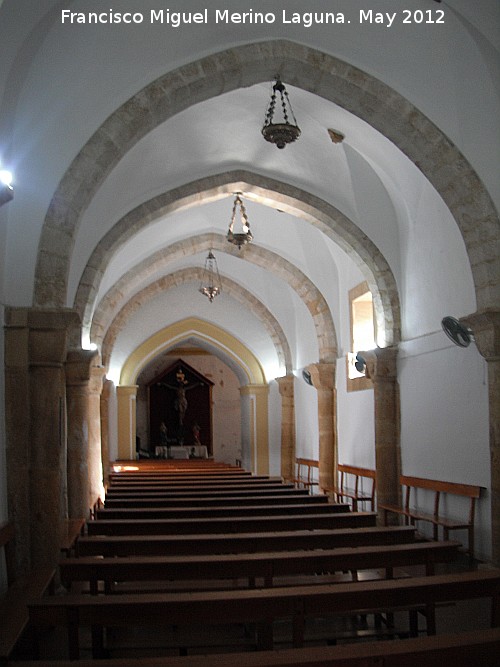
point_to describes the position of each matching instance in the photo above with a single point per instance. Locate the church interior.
(256, 249)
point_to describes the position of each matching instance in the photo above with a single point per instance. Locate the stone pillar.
(78, 370)
(323, 379)
(48, 337)
(104, 412)
(259, 426)
(286, 388)
(96, 486)
(126, 396)
(381, 365)
(486, 329)
(17, 430)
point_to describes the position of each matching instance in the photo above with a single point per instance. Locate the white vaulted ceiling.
(61, 83)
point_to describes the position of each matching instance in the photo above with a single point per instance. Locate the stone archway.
(111, 329)
(373, 101)
(254, 388)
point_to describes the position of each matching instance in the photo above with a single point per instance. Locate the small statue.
(196, 434)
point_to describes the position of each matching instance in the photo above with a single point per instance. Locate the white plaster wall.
(355, 423)
(421, 62)
(306, 419)
(444, 431)
(274, 429)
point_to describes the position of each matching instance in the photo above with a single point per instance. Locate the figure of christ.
(182, 387)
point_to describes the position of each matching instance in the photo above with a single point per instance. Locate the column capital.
(50, 332)
(79, 364)
(286, 386)
(254, 389)
(322, 375)
(485, 326)
(381, 363)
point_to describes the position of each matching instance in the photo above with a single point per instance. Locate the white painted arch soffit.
(189, 275)
(355, 91)
(322, 216)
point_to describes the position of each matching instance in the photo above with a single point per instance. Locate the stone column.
(96, 486)
(323, 379)
(381, 365)
(78, 370)
(126, 396)
(486, 329)
(48, 337)
(17, 429)
(104, 412)
(260, 427)
(286, 388)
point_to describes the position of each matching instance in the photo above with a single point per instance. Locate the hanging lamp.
(210, 284)
(280, 131)
(245, 235)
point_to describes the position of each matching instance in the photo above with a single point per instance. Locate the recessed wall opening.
(362, 324)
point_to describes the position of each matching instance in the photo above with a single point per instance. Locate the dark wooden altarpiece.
(164, 407)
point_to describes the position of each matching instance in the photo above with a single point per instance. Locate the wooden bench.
(305, 475)
(160, 477)
(350, 486)
(184, 492)
(479, 648)
(162, 545)
(259, 606)
(72, 529)
(228, 525)
(211, 501)
(218, 511)
(205, 485)
(266, 566)
(14, 615)
(412, 513)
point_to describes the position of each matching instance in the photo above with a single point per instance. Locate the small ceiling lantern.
(280, 131)
(245, 235)
(210, 284)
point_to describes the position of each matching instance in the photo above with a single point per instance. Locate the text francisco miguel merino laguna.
(175, 19)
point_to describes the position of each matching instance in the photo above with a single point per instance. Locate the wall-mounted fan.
(360, 364)
(457, 332)
(306, 375)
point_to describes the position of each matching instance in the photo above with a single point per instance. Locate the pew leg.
(298, 631)
(98, 651)
(73, 634)
(430, 612)
(265, 635)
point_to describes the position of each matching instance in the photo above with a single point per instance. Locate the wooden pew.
(198, 489)
(228, 525)
(239, 473)
(351, 486)
(253, 606)
(217, 511)
(211, 501)
(305, 476)
(266, 566)
(162, 545)
(169, 474)
(72, 529)
(202, 488)
(479, 648)
(411, 512)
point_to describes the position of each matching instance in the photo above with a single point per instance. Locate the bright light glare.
(5, 177)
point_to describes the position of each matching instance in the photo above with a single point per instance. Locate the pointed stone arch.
(254, 388)
(110, 330)
(223, 343)
(324, 75)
